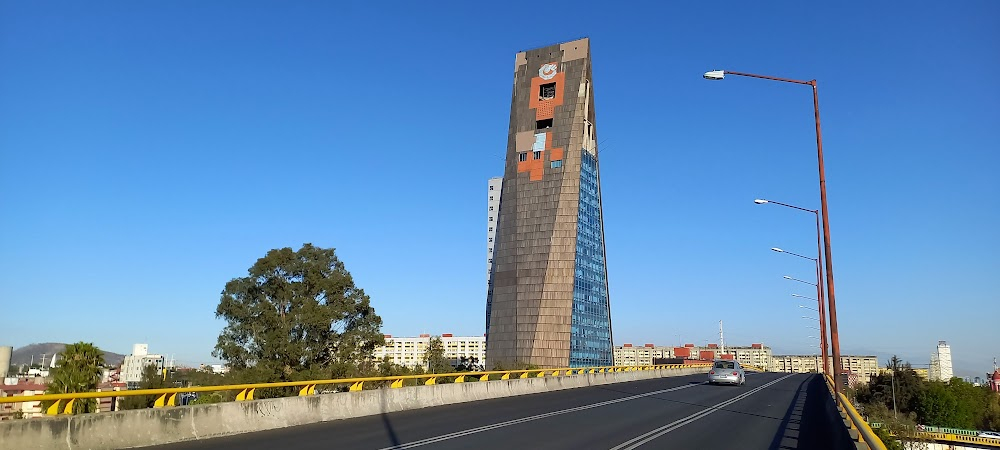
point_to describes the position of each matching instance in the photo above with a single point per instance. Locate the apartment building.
(410, 351)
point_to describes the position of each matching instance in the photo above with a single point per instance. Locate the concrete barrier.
(140, 428)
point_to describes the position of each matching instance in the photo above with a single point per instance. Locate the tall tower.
(549, 304)
(944, 361)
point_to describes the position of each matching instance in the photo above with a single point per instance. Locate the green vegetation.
(955, 404)
(152, 378)
(78, 369)
(296, 316)
(434, 357)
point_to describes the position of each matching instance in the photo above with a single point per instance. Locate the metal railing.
(854, 420)
(167, 397)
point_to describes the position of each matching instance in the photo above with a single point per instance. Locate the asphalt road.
(772, 411)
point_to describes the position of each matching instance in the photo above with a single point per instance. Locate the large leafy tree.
(434, 357)
(78, 369)
(297, 315)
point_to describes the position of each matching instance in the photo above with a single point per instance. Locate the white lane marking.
(508, 423)
(640, 440)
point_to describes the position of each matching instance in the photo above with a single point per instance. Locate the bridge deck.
(772, 411)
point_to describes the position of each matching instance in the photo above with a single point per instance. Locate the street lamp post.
(819, 303)
(831, 297)
(835, 338)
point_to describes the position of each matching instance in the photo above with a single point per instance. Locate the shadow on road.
(804, 424)
(385, 419)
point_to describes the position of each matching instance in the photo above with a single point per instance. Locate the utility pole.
(722, 339)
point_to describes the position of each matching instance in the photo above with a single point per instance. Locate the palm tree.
(78, 369)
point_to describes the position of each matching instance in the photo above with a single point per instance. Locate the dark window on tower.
(538, 155)
(544, 123)
(522, 156)
(547, 91)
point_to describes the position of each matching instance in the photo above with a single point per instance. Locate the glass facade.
(590, 337)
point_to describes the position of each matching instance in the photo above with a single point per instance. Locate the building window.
(522, 156)
(556, 164)
(491, 239)
(491, 261)
(491, 218)
(547, 91)
(491, 187)
(491, 228)
(537, 155)
(491, 208)
(491, 249)
(542, 124)
(491, 198)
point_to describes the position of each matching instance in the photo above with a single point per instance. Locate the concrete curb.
(140, 428)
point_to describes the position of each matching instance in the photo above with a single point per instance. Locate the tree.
(991, 415)
(78, 369)
(469, 364)
(152, 378)
(434, 357)
(297, 315)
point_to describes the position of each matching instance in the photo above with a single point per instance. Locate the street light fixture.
(831, 297)
(819, 303)
(715, 75)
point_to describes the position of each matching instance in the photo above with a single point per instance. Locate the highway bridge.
(773, 410)
(617, 407)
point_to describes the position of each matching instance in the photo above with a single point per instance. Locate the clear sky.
(151, 151)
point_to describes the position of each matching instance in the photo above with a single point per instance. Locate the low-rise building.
(860, 368)
(629, 355)
(758, 355)
(20, 410)
(410, 351)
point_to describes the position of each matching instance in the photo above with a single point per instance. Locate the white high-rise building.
(941, 369)
(493, 215)
(132, 366)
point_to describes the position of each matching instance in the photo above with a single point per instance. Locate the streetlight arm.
(800, 256)
(814, 211)
(728, 72)
(796, 279)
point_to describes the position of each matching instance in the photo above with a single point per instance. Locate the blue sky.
(151, 151)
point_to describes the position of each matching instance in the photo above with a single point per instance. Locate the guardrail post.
(357, 386)
(460, 379)
(505, 376)
(430, 381)
(524, 375)
(485, 377)
(396, 384)
(160, 401)
(69, 407)
(246, 394)
(53, 409)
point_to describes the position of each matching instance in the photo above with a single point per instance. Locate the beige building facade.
(410, 351)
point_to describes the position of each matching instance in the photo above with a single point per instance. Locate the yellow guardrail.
(168, 396)
(865, 432)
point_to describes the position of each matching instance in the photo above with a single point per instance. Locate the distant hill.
(24, 354)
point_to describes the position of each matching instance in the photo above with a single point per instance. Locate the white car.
(990, 434)
(727, 372)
